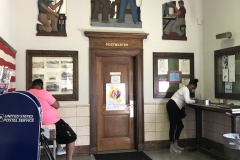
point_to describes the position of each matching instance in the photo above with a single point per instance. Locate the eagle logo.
(1, 117)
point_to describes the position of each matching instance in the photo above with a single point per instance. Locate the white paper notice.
(163, 86)
(162, 66)
(228, 87)
(231, 67)
(115, 79)
(184, 66)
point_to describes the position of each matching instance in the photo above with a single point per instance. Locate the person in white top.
(179, 99)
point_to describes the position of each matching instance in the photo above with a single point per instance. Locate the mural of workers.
(116, 13)
(174, 26)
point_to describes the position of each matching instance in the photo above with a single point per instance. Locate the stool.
(54, 148)
(50, 134)
(54, 143)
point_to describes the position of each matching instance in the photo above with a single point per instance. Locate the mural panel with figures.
(174, 24)
(116, 13)
(52, 18)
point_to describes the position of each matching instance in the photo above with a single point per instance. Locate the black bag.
(183, 112)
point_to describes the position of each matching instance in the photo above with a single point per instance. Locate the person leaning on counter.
(174, 106)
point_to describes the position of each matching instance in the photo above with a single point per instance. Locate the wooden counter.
(218, 108)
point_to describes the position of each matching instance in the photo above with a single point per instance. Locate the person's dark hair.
(37, 82)
(181, 1)
(194, 82)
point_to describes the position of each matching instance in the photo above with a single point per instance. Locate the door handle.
(131, 108)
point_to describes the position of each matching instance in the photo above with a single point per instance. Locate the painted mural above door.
(173, 19)
(52, 18)
(116, 13)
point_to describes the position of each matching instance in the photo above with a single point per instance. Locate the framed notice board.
(170, 72)
(227, 73)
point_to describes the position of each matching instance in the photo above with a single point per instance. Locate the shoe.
(177, 147)
(60, 151)
(173, 149)
(136, 22)
(120, 21)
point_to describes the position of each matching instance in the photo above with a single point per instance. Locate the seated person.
(50, 115)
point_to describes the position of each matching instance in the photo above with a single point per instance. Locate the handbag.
(183, 112)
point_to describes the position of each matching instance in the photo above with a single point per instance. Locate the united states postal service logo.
(1, 117)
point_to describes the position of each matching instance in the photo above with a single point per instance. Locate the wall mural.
(174, 25)
(116, 13)
(52, 18)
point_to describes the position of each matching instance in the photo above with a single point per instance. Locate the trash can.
(231, 146)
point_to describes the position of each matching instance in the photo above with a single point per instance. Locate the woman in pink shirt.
(50, 115)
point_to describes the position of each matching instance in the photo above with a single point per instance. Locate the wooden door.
(126, 49)
(115, 127)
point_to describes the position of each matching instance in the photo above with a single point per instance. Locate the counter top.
(221, 108)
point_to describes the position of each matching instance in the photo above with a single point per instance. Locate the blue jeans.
(133, 7)
(175, 26)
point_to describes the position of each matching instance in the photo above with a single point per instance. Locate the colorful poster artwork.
(115, 96)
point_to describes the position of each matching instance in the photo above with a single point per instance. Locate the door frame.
(99, 43)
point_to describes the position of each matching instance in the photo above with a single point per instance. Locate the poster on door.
(115, 96)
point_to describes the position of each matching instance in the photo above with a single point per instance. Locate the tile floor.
(162, 154)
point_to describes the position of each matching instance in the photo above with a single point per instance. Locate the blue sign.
(20, 127)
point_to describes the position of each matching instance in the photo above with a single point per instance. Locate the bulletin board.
(170, 72)
(227, 73)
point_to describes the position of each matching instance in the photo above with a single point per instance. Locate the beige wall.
(77, 116)
(156, 123)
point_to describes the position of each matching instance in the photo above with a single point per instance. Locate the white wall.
(218, 17)
(7, 25)
(78, 21)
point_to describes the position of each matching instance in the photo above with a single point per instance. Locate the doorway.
(110, 54)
